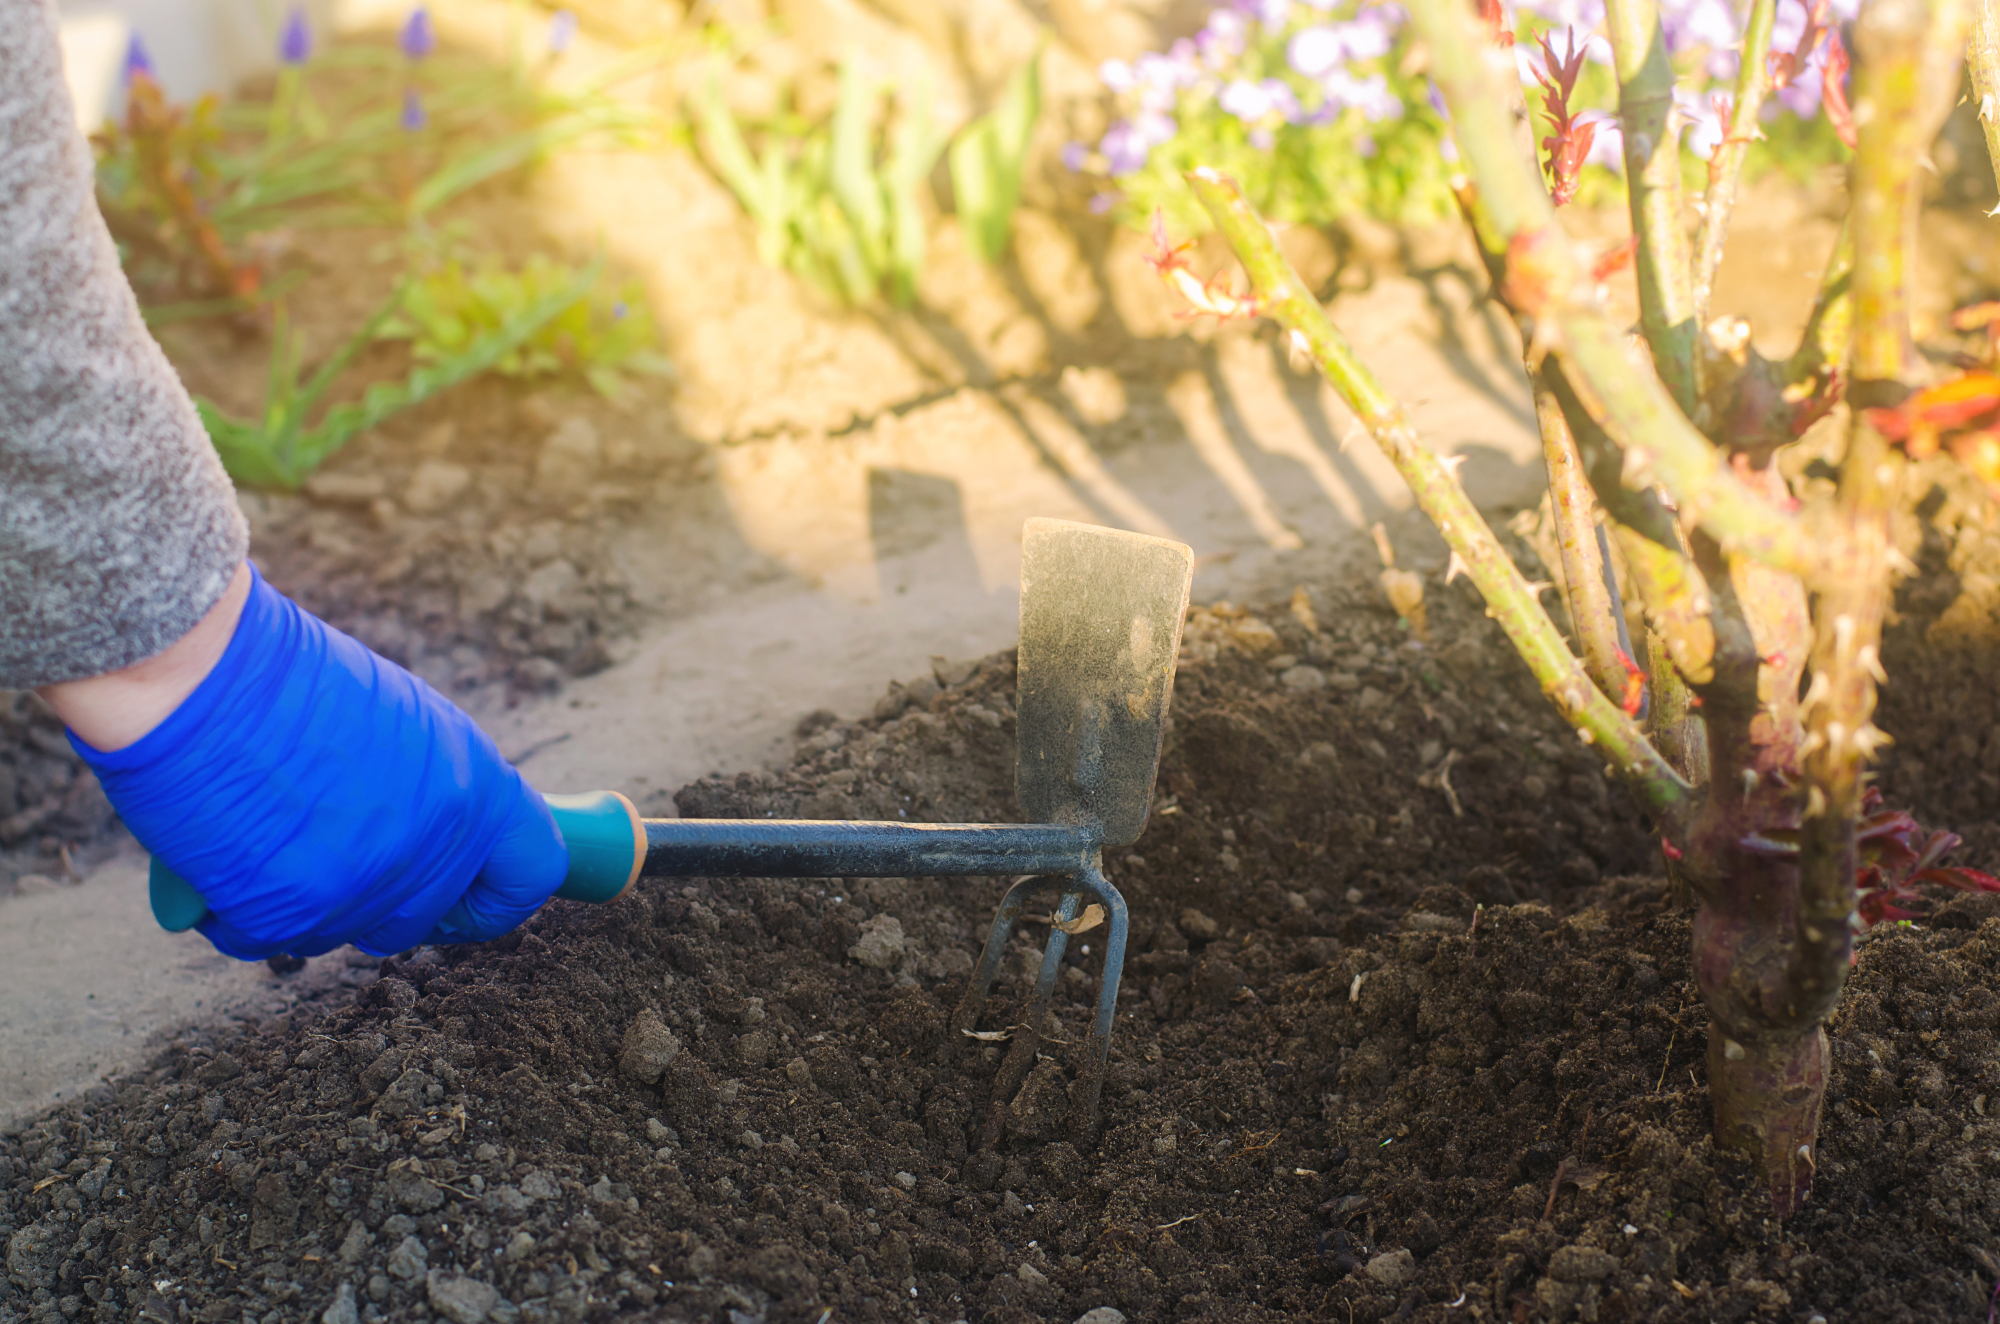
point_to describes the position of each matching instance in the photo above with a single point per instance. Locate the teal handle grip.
(607, 844)
(604, 834)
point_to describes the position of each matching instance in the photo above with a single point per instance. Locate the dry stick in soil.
(1768, 845)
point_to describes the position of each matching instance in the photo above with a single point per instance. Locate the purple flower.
(1222, 37)
(1708, 23)
(562, 31)
(1704, 125)
(1801, 96)
(1371, 95)
(1315, 51)
(1159, 80)
(1364, 146)
(1245, 100)
(1102, 203)
(1271, 13)
(1128, 143)
(418, 39)
(414, 119)
(1074, 155)
(295, 41)
(619, 309)
(1263, 139)
(137, 61)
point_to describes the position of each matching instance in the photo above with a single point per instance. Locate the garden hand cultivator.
(1101, 615)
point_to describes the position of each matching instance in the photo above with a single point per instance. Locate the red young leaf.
(1569, 145)
(1614, 260)
(1494, 15)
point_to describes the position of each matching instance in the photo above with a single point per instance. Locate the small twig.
(1444, 784)
(1270, 1140)
(1187, 1218)
(1666, 1061)
(1549, 1209)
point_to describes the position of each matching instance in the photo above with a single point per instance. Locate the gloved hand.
(316, 795)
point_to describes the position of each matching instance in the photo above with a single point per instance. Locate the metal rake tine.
(965, 1017)
(1028, 1039)
(1097, 1047)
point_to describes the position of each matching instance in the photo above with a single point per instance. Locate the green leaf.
(988, 159)
(280, 452)
(512, 152)
(755, 184)
(913, 149)
(852, 166)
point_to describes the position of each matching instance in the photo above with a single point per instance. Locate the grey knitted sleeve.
(118, 526)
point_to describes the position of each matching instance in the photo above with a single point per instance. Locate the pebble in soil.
(1372, 1056)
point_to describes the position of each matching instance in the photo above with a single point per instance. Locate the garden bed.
(1372, 1055)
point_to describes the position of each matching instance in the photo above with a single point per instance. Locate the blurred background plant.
(602, 336)
(843, 202)
(1321, 109)
(373, 138)
(989, 157)
(284, 444)
(838, 203)
(358, 136)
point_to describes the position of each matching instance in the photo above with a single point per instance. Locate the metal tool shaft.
(786, 848)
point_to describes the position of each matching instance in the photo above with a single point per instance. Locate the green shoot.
(987, 161)
(281, 449)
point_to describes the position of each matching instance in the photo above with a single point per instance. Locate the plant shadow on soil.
(1372, 1056)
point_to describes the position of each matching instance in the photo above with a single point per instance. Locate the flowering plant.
(1749, 732)
(1324, 108)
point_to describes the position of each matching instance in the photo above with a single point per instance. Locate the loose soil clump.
(1407, 1031)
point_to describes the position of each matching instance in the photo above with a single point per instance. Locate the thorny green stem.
(1653, 175)
(1725, 165)
(1829, 330)
(1590, 605)
(1669, 586)
(1673, 726)
(1284, 298)
(1550, 286)
(1983, 56)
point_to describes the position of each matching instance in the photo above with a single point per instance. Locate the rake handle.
(610, 846)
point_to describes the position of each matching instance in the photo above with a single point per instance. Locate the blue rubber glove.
(316, 795)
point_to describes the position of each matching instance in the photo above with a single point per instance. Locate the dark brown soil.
(1373, 1060)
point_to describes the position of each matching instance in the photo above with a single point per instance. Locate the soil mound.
(1407, 1032)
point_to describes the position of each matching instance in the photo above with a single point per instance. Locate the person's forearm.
(112, 711)
(118, 527)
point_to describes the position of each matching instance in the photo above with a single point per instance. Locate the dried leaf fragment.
(1092, 916)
